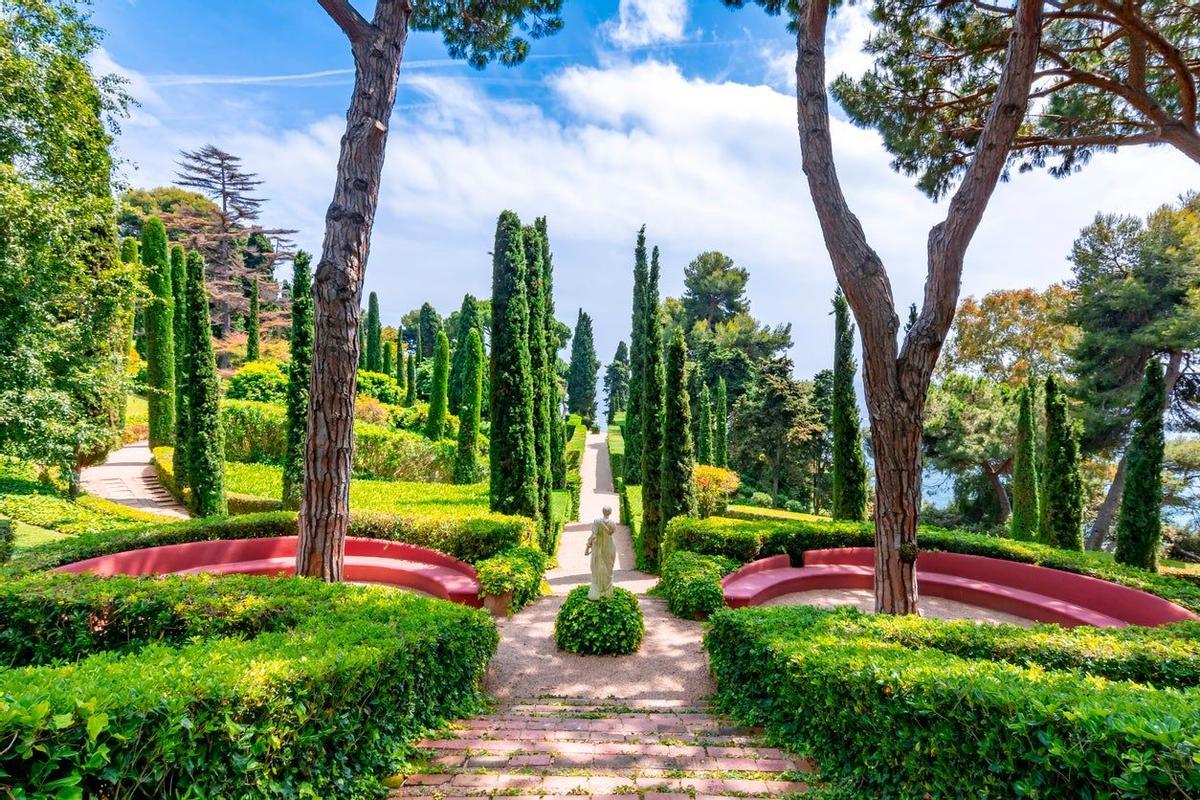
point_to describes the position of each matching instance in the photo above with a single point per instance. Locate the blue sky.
(673, 113)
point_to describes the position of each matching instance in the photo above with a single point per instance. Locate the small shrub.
(255, 432)
(261, 381)
(608, 626)
(518, 570)
(415, 417)
(796, 507)
(368, 409)
(8, 535)
(691, 583)
(382, 387)
(761, 500)
(714, 486)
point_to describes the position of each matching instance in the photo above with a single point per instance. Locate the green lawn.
(31, 535)
(755, 512)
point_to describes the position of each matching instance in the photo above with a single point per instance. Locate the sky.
(677, 115)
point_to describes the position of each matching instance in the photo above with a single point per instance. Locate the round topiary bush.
(609, 626)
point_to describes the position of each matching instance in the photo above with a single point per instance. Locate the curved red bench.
(1025, 590)
(367, 561)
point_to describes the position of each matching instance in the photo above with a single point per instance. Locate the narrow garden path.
(600, 726)
(127, 477)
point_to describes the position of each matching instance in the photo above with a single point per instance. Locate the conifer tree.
(535, 292)
(179, 291)
(435, 423)
(206, 442)
(704, 442)
(633, 413)
(159, 317)
(721, 427)
(849, 464)
(466, 468)
(1025, 495)
(374, 335)
(252, 323)
(558, 463)
(362, 344)
(410, 389)
(131, 250)
(401, 371)
(1139, 530)
(511, 453)
(581, 377)
(468, 320)
(299, 373)
(428, 326)
(386, 369)
(1062, 503)
(616, 383)
(652, 419)
(679, 458)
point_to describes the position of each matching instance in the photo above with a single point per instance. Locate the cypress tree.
(652, 419)
(721, 427)
(362, 343)
(401, 372)
(468, 320)
(511, 453)
(410, 389)
(130, 250)
(435, 423)
(535, 292)
(252, 322)
(386, 369)
(704, 442)
(849, 464)
(179, 290)
(299, 373)
(679, 459)
(632, 431)
(581, 377)
(1025, 498)
(159, 318)
(206, 444)
(428, 326)
(466, 468)
(1139, 530)
(374, 335)
(558, 463)
(1062, 502)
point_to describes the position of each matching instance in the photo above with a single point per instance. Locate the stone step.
(731, 758)
(519, 784)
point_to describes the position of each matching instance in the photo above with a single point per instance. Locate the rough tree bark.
(993, 474)
(378, 47)
(897, 382)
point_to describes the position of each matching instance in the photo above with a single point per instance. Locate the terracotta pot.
(498, 605)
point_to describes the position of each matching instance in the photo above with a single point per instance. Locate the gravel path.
(127, 477)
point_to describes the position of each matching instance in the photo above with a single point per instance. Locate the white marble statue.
(604, 555)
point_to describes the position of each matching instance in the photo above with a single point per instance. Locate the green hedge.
(691, 583)
(744, 541)
(886, 720)
(612, 625)
(225, 687)
(237, 502)
(518, 570)
(8, 537)
(576, 442)
(616, 455)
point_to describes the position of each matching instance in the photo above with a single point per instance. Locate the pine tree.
(410, 389)
(581, 377)
(468, 320)
(511, 453)
(704, 442)
(435, 423)
(179, 290)
(616, 383)
(252, 322)
(466, 468)
(534, 291)
(849, 464)
(386, 369)
(299, 373)
(374, 335)
(1025, 499)
(652, 420)
(206, 443)
(632, 431)
(721, 427)
(1139, 530)
(159, 319)
(558, 463)
(1062, 502)
(679, 458)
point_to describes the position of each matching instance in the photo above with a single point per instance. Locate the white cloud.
(643, 22)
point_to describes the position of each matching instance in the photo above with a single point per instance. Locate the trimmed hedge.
(518, 570)
(237, 502)
(576, 441)
(745, 541)
(8, 537)
(691, 583)
(309, 689)
(609, 626)
(261, 381)
(887, 720)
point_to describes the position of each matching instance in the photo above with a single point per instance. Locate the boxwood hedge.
(611, 625)
(888, 711)
(224, 687)
(691, 583)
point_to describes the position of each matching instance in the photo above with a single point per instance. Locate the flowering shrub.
(714, 486)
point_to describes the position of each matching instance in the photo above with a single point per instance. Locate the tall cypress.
(159, 318)
(1139, 530)
(374, 335)
(206, 444)
(1062, 502)
(632, 431)
(299, 373)
(468, 320)
(362, 343)
(652, 419)
(428, 326)
(721, 427)
(466, 468)
(535, 292)
(511, 452)
(386, 369)
(252, 322)
(410, 389)
(581, 376)
(401, 372)
(435, 423)
(179, 290)
(679, 459)
(849, 464)
(1025, 496)
(704, 442)
(558, 462)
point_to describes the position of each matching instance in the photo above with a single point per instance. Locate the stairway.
(553, 748)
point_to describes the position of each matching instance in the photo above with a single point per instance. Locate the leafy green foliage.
(261, 381)
(468, 320)
(1139, 531)
(849, 465)
(466, 466)
(1025, 484)
(679, 461)
(633, 429)
(721, 427)
(252, 323)
(435, 423)
(1062, 499)
(206, 441)
(616, 383)
(159, 318)
(612, 625)
(517, 570)
(704, 442)
(382, 387)
(299, 373)
(691, 583)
